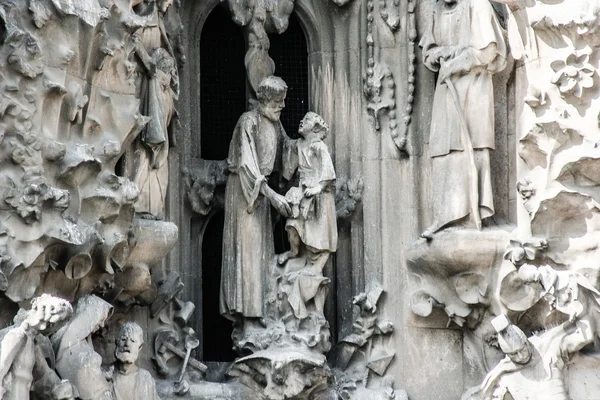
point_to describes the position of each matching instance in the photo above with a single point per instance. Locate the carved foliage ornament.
(379, 85)
(573, 75)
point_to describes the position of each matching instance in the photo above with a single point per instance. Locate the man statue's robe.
(248, 233)
(137, 385)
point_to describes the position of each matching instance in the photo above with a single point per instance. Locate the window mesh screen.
(290, 53)
(222, 83)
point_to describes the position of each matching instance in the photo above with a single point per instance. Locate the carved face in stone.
(129, 342)
(271, 94)
(521, 356)
(313, 124)
(272, 108)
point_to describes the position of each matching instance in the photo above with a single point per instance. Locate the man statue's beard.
(125, 357)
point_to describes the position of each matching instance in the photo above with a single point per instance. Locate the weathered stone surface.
(107, 203)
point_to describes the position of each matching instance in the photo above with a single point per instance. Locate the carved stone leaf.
(583, 171)
(41, 14)
(543, 140)
(518, 295)
(565, 213)
(78, 266)
(380, 360)
(471, 288)
(421, 303)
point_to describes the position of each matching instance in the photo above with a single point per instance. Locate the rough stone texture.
(90, 137)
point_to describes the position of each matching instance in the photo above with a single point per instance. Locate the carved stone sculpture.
(365, 352)
(159, 87)
(311, 227)
(289, 341)
(76, 359)
(464, 42)
(23, 366)
(533, 367)
(130, 381)
(248, 238)
(259, 17)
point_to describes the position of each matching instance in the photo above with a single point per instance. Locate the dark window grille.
(290, 53)
(222, 83)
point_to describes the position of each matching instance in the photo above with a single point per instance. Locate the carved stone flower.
(520, 253)
(573, 75)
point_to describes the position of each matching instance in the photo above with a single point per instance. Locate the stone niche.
(299, 199)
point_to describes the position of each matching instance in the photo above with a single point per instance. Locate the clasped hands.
(281, 204)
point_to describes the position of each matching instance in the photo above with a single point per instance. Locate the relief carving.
(23, 357)
(69, 113)
(203, 184)
(533, 367)
(158, 84)
(311, 225)
(128, 380)
(367, 350)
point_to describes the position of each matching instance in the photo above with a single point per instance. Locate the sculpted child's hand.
(312, 191)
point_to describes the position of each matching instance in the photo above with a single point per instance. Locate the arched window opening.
(223, 98)
(222, 83)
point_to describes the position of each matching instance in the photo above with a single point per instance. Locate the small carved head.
(129, 342)
(313, 122)
(525, 189)
(513, 342)
(271, 94)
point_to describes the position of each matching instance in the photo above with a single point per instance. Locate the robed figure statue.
(464, 43)
(248, 244)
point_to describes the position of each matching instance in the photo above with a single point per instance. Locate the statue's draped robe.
(157, 100)
(248, 233)
(76, 359)
(462, 124)
(18, 381)
(137, 385)
(319, 229)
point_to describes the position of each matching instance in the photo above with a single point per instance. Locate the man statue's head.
(513, 342)
(129, 342)
(271, 93)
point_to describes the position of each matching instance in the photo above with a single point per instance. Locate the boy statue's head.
(313, 123)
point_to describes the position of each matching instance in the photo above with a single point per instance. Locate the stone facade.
(426, 229)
